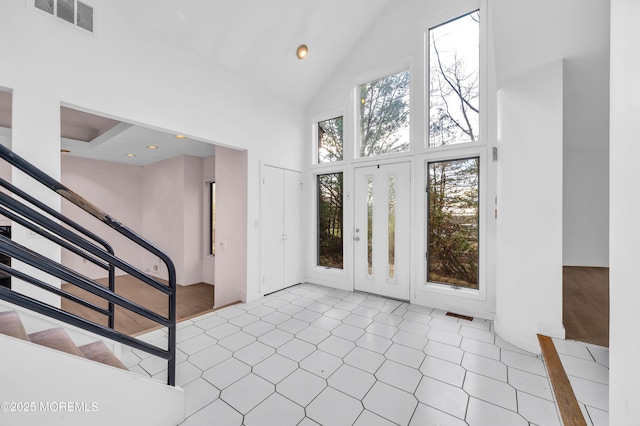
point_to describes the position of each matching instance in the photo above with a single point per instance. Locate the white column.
(624, 211)
(529, 222)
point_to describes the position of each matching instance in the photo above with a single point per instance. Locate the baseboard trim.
(208, 311)
(516, 340)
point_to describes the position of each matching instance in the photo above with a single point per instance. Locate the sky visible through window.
(454, 76)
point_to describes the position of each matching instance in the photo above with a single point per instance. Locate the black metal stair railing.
(89, 246)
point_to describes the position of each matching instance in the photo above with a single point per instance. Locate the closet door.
(281, 227)
(272, 229)
(292, 228)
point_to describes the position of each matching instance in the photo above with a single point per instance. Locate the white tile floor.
(312, 355)
(587, 367)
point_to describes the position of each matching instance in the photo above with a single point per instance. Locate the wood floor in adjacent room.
(191, 300)
(586, 304)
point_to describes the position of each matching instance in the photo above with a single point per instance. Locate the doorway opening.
(585, 311)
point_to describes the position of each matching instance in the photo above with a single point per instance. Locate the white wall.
(526, 36)
(624, 339)
(35, 137)
(586, 144)
(529, 34)
(529, 243)
(586, 207)
(5, 168)
(107, 395)
(130, 73)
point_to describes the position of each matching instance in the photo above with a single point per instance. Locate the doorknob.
(356, 238)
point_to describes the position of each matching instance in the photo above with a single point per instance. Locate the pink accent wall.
(231, 226)
(193, 230)
(162, 213)
(163, 202)
(115, 188)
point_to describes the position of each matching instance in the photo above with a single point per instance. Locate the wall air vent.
(74, 12)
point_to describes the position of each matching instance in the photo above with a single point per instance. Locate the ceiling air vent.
(73, 11)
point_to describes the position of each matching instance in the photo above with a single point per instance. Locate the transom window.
(330, 141)
(454, 81)
(384, 115)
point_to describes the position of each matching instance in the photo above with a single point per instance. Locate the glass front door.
(382, 232)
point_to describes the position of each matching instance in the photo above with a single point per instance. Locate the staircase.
(57, 338)
(56, 375)
(45, 376)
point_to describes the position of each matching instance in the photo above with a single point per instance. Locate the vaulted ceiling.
(256, 39)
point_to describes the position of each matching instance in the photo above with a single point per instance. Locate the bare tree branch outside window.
(454, 95)
(330, 140)
(384, 115)
(453, 185)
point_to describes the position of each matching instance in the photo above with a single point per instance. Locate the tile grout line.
(337, 317)
(565, 397)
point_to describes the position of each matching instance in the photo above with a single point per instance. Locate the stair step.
(11, 325)
(56, 338)
(98, 351)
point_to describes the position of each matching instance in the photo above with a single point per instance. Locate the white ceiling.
(258, 38)
(127, 139)
(90, 136)
(254, 38)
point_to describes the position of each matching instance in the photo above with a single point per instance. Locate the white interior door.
(292, 228)
(382, 233)
(271, 229)
(280, 229)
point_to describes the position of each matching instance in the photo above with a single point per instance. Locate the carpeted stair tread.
(11, 325)
(56, 338)
(98, 351)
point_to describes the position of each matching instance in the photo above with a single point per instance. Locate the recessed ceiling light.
(152, 147)
(65, 151)
(131, 155)
(180, 136)
(302, 51)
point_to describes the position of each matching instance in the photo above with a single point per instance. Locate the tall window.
(330, 140)
(454, 77)
(453, 231)
(453, 184)
(384, 115)
(212, 217)
(330, 247)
